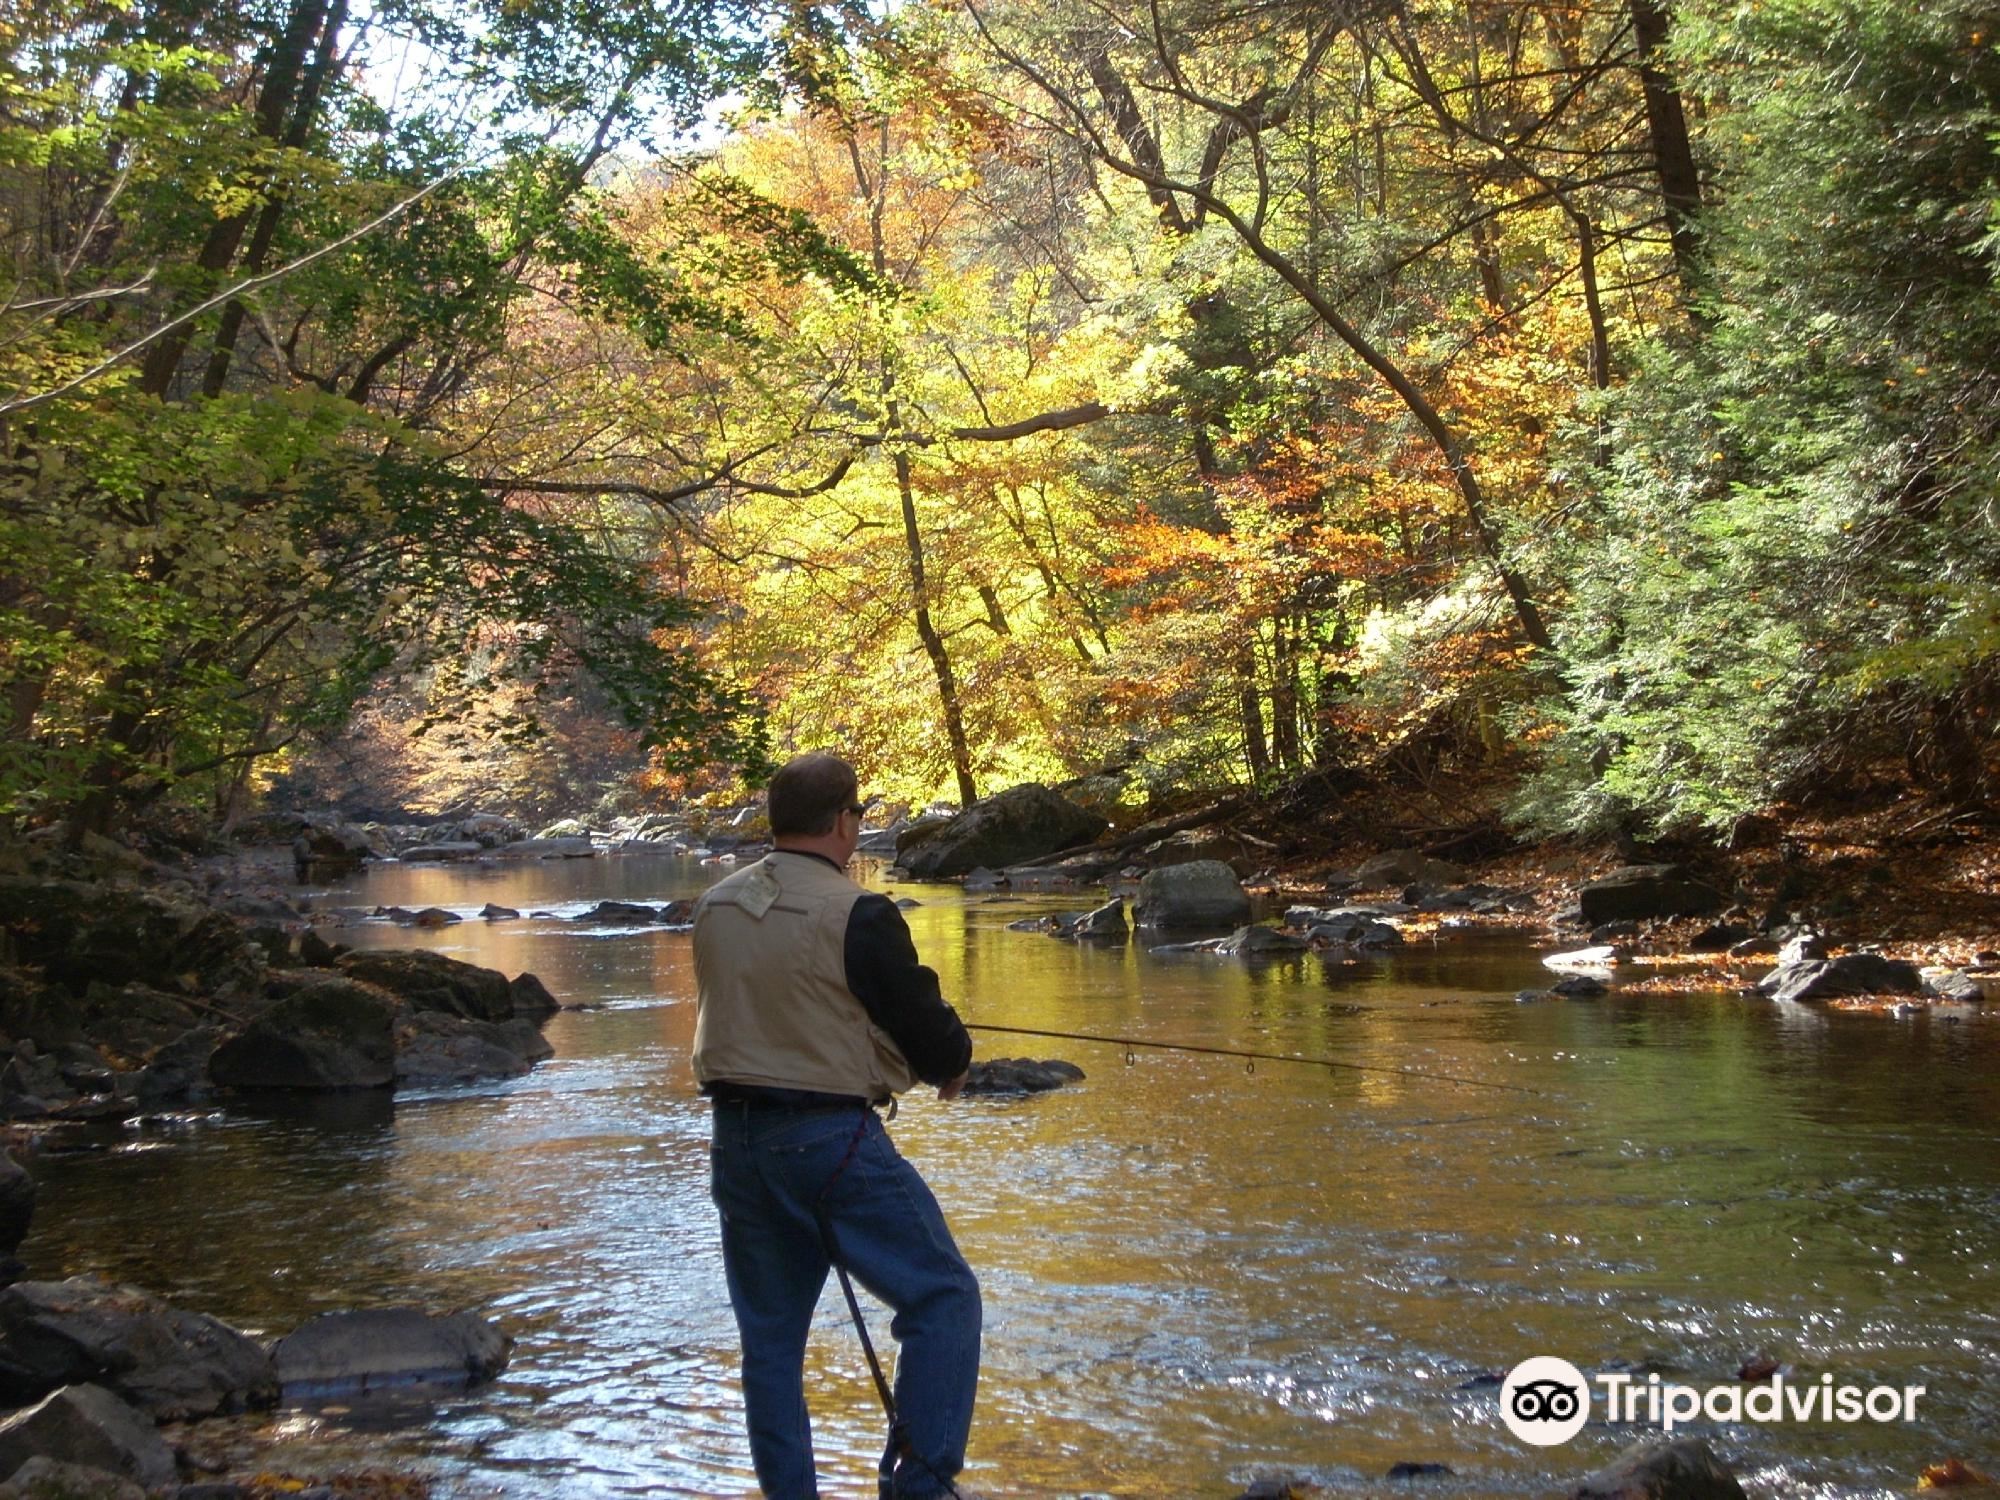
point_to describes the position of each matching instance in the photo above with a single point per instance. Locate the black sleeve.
(901, 995)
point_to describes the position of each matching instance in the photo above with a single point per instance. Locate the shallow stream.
(1194, 1275)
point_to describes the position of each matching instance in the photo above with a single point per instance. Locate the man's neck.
(827, 849)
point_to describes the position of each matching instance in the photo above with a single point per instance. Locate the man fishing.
(812, 1009)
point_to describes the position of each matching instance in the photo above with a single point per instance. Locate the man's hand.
(950, 1091)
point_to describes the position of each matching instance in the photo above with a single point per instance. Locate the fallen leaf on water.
(1953, 1473)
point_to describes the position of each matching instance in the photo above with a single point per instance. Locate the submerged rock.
(1020, 1075)
(349, 1352)
(1253, 942)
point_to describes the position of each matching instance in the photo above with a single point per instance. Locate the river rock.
(17, 1204)
(1406, 867)
(1958, 985)
(531, 998)
(489, 829)
(1850, 974)
(51, 1479)
(1019, 824)
(332, 1033)
(1640, 891)
(435, 1047)
(1684, 1469)
(88, 1426)
(1204, 893)
(347, 1352)
(548, 848)
(79, 934)
(177, 1073)
(620, 913)
(1198, 843)
(434, 981)
(1345, 926)
(493, 913)
(170, 1363)
(1254, 942)
(1802, 947)
(1104, 925)
(330, 851)
(1579, 987)
(441, 853)
(1020, 1075)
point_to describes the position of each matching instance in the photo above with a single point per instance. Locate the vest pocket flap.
(757, 892)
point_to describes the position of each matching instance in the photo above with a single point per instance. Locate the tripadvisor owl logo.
(1545, 1401)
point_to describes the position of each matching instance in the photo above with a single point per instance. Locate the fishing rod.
(1253, 1058)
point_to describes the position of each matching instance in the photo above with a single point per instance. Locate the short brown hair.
(807, 795)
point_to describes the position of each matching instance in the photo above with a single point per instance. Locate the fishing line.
(1253, 1058)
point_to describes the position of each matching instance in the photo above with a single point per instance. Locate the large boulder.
(1850, 974)
(87, 1426)
(1684, 1469)
(170, 1363)
(346, 1352)
(1640, 891)
(80, 934)
(1203, 893)
(1021, 823)
(332, 1033)
(432, 981)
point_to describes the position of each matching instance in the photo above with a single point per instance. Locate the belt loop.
(892, 1108)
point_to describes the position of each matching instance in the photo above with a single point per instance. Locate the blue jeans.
(769, 1170)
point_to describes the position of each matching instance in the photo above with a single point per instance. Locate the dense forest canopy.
(1224, 393)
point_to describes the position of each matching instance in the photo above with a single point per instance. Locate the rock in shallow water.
(348, 1352)
(1020, 1075)
(87, 1426)
(171, 1363)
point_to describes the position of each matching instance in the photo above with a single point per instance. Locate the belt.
(759, 1096)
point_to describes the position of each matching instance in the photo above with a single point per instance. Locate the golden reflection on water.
(1193, 1274)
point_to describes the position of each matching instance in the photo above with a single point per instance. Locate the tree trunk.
(1250, 706)
(274, 107)
(1673, 154)
(954, 717)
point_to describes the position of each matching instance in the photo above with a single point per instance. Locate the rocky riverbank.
(1662, 925)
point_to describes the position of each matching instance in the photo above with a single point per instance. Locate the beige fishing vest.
(772, 1004)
